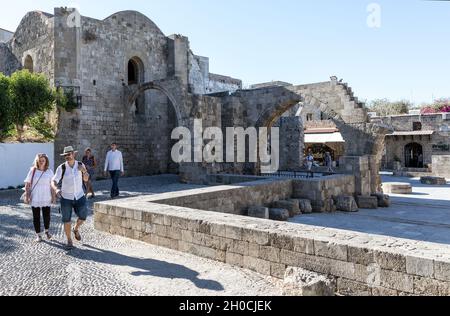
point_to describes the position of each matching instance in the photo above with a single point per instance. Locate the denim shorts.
(79, 206)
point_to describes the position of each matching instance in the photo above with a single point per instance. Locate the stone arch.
(269, 116)
(28, 63)
(159, 86)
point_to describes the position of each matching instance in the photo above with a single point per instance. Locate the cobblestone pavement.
(110, 265)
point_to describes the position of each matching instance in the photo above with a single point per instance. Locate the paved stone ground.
(110, 265)
(423, 215)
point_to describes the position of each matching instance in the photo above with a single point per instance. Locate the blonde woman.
(40, 194)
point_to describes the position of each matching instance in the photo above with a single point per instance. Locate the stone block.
(292, 206)
(330, 250)
(397, 188)
(367, 202)
(420, 266)
(258, 212)
(278, 214)
(433, 181)
(277, 270)
(305, 206)
(351, 288)
(300, 282)
(346, 204)
(397, 281)
(383, 199)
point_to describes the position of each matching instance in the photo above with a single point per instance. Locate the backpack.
(63, 167)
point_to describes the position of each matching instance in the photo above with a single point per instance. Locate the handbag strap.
(37, 180)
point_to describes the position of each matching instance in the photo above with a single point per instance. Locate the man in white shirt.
(114, 165)
(71, 175)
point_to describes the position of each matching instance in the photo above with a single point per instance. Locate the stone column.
(292, 140)
(359, 167)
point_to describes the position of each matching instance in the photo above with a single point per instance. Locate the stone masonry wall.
(362, 264)
(34, 37)
(441, 166)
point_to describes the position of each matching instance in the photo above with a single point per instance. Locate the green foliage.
(40, 123)
(30, 95)
(5, 105)
(65, 99)
(384, 107)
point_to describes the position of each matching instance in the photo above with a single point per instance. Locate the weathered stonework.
(362, 264)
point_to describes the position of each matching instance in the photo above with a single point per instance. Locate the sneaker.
(77, 234)
(38, 239)
(49, 236)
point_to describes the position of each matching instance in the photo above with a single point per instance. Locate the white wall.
(16, 160)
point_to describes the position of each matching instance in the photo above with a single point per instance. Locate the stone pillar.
(179, 57)
(359, 167)
(292, 143)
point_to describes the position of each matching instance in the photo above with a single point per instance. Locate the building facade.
(415, 140)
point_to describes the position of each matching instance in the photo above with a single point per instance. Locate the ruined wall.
(5, 35)
(218, 83)
(99, 53)
(34, 37)
(8, 62)
(436, 144)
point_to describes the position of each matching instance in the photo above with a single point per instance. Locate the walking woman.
(40, 194)
(90, 163)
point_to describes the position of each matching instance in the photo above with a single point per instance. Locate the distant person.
(39, 194)
(420, 161)
(114, 165)
(70, 176)
(309, 161)
(328, 162)
(91, 163)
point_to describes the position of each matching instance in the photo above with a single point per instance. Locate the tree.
(5, 104)
(30, 95)
(384, 107)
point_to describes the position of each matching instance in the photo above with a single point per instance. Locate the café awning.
(323, 136)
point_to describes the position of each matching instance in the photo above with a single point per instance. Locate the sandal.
(77, 234)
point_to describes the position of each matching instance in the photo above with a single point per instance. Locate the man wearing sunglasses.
(69, 177)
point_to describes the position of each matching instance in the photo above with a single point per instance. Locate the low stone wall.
(320, 190)
(441, 166)
(232, 199)
(362, 264)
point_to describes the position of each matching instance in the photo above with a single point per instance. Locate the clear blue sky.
(301, 41)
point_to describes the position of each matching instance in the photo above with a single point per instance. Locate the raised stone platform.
(361, 263)
(433, 181)
(397, 188)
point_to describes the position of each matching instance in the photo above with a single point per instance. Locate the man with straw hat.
(68, 184)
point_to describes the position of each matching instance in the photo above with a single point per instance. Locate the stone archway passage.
(413, 155)
(28, 63)
(172, 88)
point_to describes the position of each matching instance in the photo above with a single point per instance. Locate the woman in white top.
(40, 193)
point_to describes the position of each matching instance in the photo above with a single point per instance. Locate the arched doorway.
(136, 76)
(413, 155)
(28, 63)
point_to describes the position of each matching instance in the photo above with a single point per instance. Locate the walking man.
(68, 185)
(114, 165)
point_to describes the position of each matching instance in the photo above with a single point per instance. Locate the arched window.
(136, 75)
(28, 63)
(135, 71)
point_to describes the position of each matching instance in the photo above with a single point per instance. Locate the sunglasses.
(42, 155)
